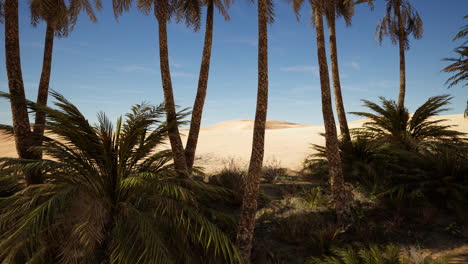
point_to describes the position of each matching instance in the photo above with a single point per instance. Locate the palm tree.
(21, 127)
(391, 124)
(345, 9)
(399, 22)
(459, 67)
(245, 231)
(197, 111)
(108, 196)
(340, 195)
(60, 19)
(164, 10)
(55, 13)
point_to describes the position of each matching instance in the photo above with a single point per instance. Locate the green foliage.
(392, 124)
(231, 177)
(311, 230)
(389, 25)
(313, 197)
(402, 157)
(374, 254)
(454, 229)
(109, 196)
(459, 66)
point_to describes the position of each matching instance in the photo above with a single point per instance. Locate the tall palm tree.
(109, 197)
(197, 111)
(60, 19)
(340, 196)
(335, 9)
(400, 21)
(164, 10)
(246, 226)
(345, 9)
(459, 67)
(21, 127)
(55, 13)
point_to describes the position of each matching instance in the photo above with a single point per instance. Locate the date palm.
(21, 125)
(56, 14)
(340, 196)
(245, 231)
(459, 67)
(390, 123)
(164, 11)
(108, 196)
(197, 111)
(400, 21)
(60, 18)
(334, 10)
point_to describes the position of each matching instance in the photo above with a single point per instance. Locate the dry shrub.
(272, 171)
(231, 177)
(311, 230)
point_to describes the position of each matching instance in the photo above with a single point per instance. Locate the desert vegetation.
(393, 190)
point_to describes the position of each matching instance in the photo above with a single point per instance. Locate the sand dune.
(286, 143)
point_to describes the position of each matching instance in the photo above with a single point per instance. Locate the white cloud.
(384, 84)
(136, 68)
(301, 68)
(183, 74)
(301, 89)
(355, 65)
(246, 41)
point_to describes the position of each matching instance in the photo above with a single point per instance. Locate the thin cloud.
(301, 68)
(145, 69)
(355, 65)
(246, 41)
(384, 84)
(137, 69)
(303, 89)
(183, 74)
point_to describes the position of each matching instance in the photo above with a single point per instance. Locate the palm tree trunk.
(401, 44)
(336, 82)
(171, 114)
(245, 232)
(197, 112)
(44, 86)
(331, 140)
(19, 109)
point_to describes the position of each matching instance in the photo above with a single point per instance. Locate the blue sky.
(112, 65)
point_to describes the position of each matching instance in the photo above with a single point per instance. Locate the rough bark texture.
(197, 111)
(401, 44)
(171, 114)
(42, 94)
(340, 110)
(245, 232)
(21, 127)
(340, 196)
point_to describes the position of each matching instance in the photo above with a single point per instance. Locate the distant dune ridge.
(286, 143)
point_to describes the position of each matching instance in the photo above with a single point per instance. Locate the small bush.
(272, 172)
(313, 197)
(231, 177)
(311, 230)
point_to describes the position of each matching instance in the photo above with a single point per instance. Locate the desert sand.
(287, 144)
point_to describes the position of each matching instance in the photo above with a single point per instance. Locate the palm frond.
(103, 185)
